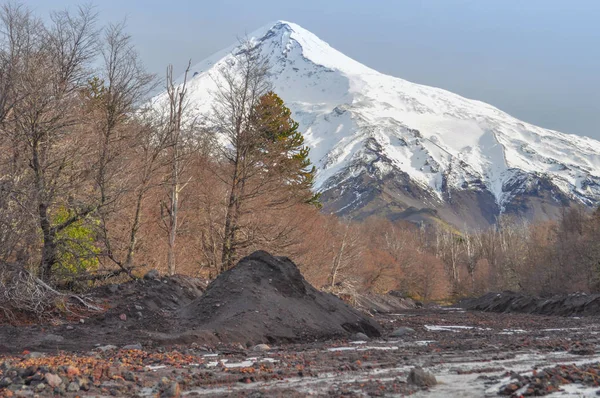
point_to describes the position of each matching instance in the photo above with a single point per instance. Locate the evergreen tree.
(284, 147)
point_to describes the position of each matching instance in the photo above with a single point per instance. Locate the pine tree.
(284, 146)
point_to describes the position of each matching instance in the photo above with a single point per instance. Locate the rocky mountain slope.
(390, 147)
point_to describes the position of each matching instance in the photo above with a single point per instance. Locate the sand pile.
(265, 299)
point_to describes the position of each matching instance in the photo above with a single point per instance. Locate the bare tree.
(344, 254)
(177, 147)
(115, 97)
(240, 87)
(53, 67)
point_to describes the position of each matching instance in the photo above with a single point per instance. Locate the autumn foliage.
(95, 183)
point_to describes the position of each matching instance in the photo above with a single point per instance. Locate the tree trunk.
(134, 228)
(228, 252)
(49, 252)
(49, 249)
(173, 214)
(338, 259)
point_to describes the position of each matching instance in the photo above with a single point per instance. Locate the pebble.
(261, 347)
(73, 387)
(84, 383)
(53, 380)
(108, 347)
(34, 355)
(136, 346)
(72, 371)
(172, 391)
(401, 332)
(129, 376)
(359, 337)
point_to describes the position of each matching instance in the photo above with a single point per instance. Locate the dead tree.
(175, 125)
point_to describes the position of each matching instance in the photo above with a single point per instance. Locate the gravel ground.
(471, 354)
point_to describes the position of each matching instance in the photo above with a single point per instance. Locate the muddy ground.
(470, 353)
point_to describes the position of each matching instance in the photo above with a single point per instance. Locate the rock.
(82, 321)
(53, 380)
(5, 382)
(29, 372)
(34, 355)
(40, 387)
(359, 337)
(123, 317)
(73, 387)
(152, 275)
(421, 378)
(261, 347)
(113, 288)
(164, 382)
(138, 307)
(129, 376)
(172, 391)
(72, 371)
(402, 331)
(69, 327)
(108, 347)
(510, 389)
(84, 383)
(136, 346)
(52, 338)
(18, 380)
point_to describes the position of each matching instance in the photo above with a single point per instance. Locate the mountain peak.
(362, 125)
(285, 35)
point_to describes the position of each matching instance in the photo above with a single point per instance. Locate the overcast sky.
(538, 60)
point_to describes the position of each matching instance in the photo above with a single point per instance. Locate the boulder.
(421, 378)
(402, 332)
(152, 275)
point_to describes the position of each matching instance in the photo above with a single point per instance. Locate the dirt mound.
(577, 304)
(147, 304)
(265, 299)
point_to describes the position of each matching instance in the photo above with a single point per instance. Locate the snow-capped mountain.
(386, 146)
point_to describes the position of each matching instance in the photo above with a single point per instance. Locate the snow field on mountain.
(345, 109)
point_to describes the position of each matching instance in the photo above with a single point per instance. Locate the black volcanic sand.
(577, 304)
(490, 354)
(265, 299)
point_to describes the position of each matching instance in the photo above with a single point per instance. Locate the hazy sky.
(538, 60)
